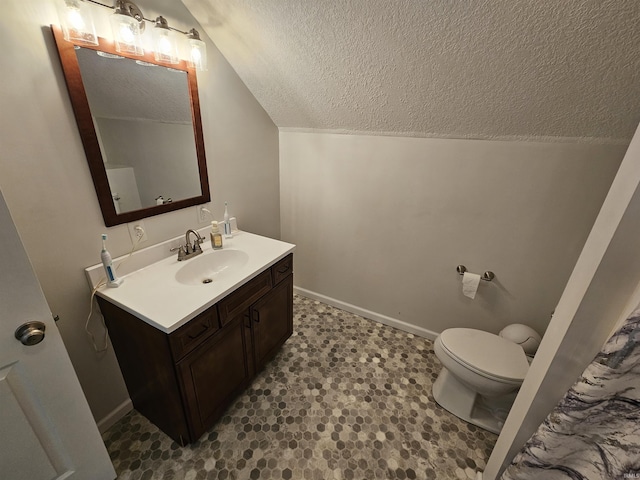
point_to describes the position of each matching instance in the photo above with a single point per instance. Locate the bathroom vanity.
(182, 370)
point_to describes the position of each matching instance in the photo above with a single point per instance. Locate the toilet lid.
(487, 353)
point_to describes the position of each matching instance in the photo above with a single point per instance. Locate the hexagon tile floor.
(346, 398)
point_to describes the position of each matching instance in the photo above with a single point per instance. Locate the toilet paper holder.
(487, 276)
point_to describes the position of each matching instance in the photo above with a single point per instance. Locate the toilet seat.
(486, 354)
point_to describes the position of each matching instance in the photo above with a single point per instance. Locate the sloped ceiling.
(449, 68)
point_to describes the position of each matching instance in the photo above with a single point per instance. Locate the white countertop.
(153, 294)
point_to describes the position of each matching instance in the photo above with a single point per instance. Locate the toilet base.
(488, 413)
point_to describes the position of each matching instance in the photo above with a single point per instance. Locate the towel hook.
(486, 276)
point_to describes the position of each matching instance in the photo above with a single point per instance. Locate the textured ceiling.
(122, 88)
(451, 68)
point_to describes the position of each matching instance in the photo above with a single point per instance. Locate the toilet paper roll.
(470, 282)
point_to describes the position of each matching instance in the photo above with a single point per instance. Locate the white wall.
(599, 292)
(381, 223)
(46, 182)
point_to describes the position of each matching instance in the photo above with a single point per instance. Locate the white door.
(46, 428)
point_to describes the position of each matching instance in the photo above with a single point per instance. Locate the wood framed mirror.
(139, 121)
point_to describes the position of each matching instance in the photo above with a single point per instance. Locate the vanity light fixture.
(166, 48)
(127, 24)
(197, 51)
(76, 22)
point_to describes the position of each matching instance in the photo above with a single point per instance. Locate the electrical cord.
(102, 283)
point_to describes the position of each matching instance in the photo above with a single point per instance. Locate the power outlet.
(137, 232)
(204, 214)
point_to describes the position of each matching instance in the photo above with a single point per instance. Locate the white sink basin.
(211, 266)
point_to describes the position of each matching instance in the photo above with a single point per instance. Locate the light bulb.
(75, 19)
(164, 46)
(126, 34)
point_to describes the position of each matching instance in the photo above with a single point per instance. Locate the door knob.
(30, 333)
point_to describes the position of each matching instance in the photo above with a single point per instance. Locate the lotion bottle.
(112, 278)
(226, 224)
(216, 237)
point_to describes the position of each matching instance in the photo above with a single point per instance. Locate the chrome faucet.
(187, 250)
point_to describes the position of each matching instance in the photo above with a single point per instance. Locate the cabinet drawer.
(282, 269)
(189, 336)
(244, 296)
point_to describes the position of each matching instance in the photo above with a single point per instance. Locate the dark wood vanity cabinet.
(184, 381)
(270, 328)
(213, 375)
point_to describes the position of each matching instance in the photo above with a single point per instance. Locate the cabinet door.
(272, 321)
(213, 374)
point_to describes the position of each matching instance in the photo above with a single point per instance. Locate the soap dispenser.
(216, 237)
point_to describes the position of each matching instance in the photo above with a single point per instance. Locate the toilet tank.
(523, 335)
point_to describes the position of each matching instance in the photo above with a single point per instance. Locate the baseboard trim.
(116, 414)
(377, 317)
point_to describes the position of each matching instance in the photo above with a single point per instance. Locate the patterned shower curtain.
(594, 431)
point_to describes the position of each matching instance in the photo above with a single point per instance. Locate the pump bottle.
(216, 237)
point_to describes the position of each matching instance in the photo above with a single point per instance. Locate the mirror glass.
(142, 116)
(140, 125)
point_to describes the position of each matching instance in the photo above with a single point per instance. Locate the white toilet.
(482, 372)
